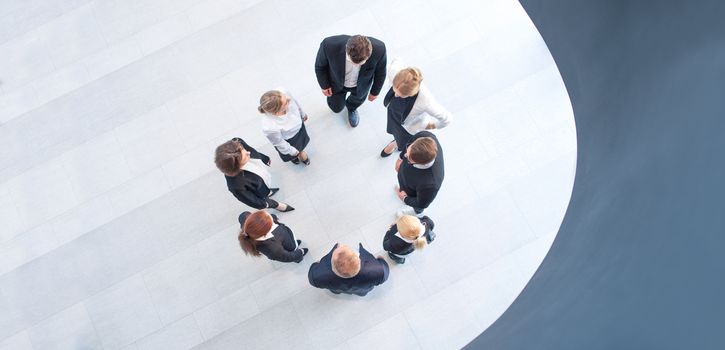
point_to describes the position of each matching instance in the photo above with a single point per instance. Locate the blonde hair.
(411, 228)
(345, 263)
(270, 102)
(407, 81)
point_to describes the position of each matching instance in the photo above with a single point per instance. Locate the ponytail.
(248, 245)
(420, 242)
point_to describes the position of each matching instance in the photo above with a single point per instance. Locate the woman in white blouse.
(411, 107)
(283, 124)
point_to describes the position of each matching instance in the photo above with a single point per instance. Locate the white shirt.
(256, 166)
(424, 166)
(352, 71)
(425, 110)
(278, 129)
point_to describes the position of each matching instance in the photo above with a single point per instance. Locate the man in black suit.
(420, 171)
(354, 64)
(344, 271)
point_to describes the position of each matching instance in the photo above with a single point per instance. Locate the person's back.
(343, 271)
(420, 179)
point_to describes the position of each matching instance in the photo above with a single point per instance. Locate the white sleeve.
(441, 115)
(395, 66)
(299, 107)
(275, 137)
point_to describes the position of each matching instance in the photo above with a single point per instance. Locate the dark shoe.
(304, 251)
(383, 154)
(432, 236)
(299, 241)
(272, 191)
(397, 259)
(289, 208)
(353, 117)
(306, 161)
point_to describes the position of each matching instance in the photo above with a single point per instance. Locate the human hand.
(302, 156)
(430, 126)
(402, 195)
(397, 164)
(304, 119)
(327, 92)
(372, 97)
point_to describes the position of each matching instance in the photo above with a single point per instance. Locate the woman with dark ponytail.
(262, 233)
(247, 176)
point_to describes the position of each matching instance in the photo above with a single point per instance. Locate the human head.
(255, 226)
(230, 157)
(407, 82)
(273, 102)
(422, 151)
(359, 48)
(412, 229)
(345, 262)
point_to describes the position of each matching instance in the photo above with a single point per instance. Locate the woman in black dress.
(247, 176)
(262, 233)
(406, 235)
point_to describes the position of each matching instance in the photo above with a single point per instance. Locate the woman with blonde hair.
(245, 170)
(283, 125)
(407, 234)
(262, 233)
(411, 107)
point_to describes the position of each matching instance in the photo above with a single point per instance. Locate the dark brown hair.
(228, 157)
(423, 150)
(256, 225)
(359, 48)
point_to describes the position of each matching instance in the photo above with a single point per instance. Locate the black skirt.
(299, 141)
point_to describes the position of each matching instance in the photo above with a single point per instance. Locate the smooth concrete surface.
(118, 231)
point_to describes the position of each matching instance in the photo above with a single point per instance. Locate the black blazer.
(421, 185)
(373, 271)
(330, 66)
(282, 247)
(396, 245)
(247, 186)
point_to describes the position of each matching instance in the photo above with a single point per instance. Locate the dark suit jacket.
(398, 246)
(246, 186)
(282, 247)
(330, 66)
(373, 272)
(421, 185)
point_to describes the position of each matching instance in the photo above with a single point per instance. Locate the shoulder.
(334, 41)
(377, 44)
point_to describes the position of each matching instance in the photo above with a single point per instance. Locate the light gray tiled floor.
(118, 232)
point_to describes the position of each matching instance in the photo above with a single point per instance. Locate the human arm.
(380, 71)
(322, 69)
(423, 197)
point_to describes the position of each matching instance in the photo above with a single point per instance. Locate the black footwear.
(397, 259)
(298, 241)
(289, 208)
(306, 161)
(383, 154)
(272, 191)
(304, 251)
(353, 117)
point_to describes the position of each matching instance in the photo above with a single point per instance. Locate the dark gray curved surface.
(639, 261)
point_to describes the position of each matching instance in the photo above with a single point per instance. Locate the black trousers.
(337, 101)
